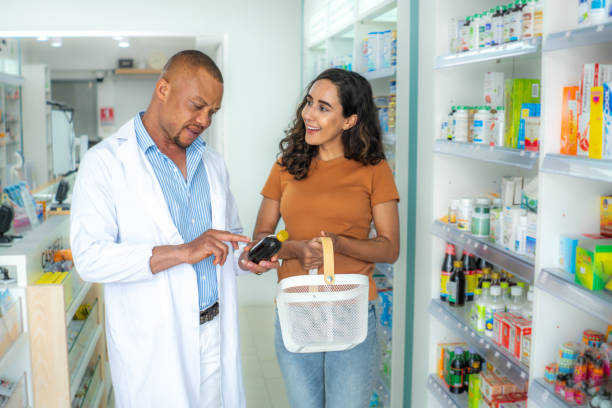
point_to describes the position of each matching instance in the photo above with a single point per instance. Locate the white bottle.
(598, 12)
(461, 124)
(499, 136)
(515, 305)
(505, 292)
(494, 305)
(497, 23)
(482, 29)
(516, 23)
(527, 309)
(482, 125)
(453, 34)
(488, 21)
(464, 35)
(478, 311)
(475, 32)
(507, 22)
(520, 245)
(528, 20)
(538, 18)
(584, 7)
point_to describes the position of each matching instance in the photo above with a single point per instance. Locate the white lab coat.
(118, 215)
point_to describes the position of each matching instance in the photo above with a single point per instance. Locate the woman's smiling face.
(322, 114)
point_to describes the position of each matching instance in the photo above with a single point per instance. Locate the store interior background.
(260, 62)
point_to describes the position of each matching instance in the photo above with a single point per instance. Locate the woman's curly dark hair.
(362, 142)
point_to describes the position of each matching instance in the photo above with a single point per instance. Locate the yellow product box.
(594, 263)
(596, 123)
(46, 278)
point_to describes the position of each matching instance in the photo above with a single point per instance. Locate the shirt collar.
(145, 141)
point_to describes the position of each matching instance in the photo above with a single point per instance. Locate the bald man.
(153, 219)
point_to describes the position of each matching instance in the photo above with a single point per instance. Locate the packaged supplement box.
(605, 216)
(516, 93)
(567, 252)
(494, 89)
(593, 75)
(529, 127)
(607, 121)
(526, 349)
(519, 328)
(596, 123)
(490, 386)
(569, 120)
(594, 263)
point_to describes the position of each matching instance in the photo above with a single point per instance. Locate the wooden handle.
(328, 260)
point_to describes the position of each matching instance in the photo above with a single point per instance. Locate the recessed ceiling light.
(117, 38)
(56, 42)
(43, 38)
(123, 43)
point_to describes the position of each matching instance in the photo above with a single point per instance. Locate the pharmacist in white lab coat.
(165, 349)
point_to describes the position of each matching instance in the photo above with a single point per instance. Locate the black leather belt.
(209, 314)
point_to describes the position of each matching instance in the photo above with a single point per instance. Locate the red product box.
(501, 329)
(513, 400)
(490, 386)
(520, 328)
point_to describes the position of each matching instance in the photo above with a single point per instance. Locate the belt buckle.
(210, 313)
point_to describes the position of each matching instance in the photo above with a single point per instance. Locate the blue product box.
(567, 252)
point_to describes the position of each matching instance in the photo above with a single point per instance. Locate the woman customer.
(332, 180)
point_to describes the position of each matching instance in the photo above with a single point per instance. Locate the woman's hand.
(261, 267)
(310, 254)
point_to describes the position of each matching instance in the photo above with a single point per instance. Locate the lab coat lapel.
(143, 181)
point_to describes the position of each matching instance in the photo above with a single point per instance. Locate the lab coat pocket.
(148, 301)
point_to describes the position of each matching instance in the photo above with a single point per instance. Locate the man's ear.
(162, 89)
(350, 122)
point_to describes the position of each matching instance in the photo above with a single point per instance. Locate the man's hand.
(261, 267)
(212, 243)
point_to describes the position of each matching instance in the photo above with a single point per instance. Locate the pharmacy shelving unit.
(333, 35)
(569, 188)
(437, 388)
(10, 124)
(450, 170)
(53, 372)
(37, 138)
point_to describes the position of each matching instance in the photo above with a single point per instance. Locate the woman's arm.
(384, 247)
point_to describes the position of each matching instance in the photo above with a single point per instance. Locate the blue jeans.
(335, 379)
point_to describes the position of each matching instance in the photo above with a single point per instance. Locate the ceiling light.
(124, 43)
(43, 38)
(117, 38)
(56, 42)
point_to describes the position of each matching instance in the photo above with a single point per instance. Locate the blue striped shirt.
(188, 202)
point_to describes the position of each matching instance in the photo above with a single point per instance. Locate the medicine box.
(494, 89)
(596, 123)
(529, 127)
(516, 93)
(594, 263)
(567, 252)
(569, 120)
(607, 121)
(519, 328)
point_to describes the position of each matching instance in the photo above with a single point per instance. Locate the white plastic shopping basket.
(323, 312)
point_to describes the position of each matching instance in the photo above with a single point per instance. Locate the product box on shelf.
(516, 93)
(607, 120)
(529, 127)
(594, 263)
(596, 123)
(519, 329)
(567, 252)
(442, 357)
(569, 120)
(605, 216)
(593, 75)
(494, 89)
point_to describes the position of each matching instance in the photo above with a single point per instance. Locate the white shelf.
(520, 266)
(82, 367)
(544, 395)
(507, 50)
(380, 74)
(11, 79)
(492, 154)
(99, 393)
(438, 389)
(561, 285)
(76, 301)
(579, 37)
(455, 320)
(577, 166)
(377, 10)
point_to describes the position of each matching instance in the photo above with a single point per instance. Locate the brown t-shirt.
(337, 196)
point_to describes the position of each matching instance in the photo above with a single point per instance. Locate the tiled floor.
(263, 381)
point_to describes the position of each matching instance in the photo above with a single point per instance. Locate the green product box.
(474, 391)
(516, 93)
(449, 355)
(594, 263)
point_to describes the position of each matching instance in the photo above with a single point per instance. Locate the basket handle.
(328, 260)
